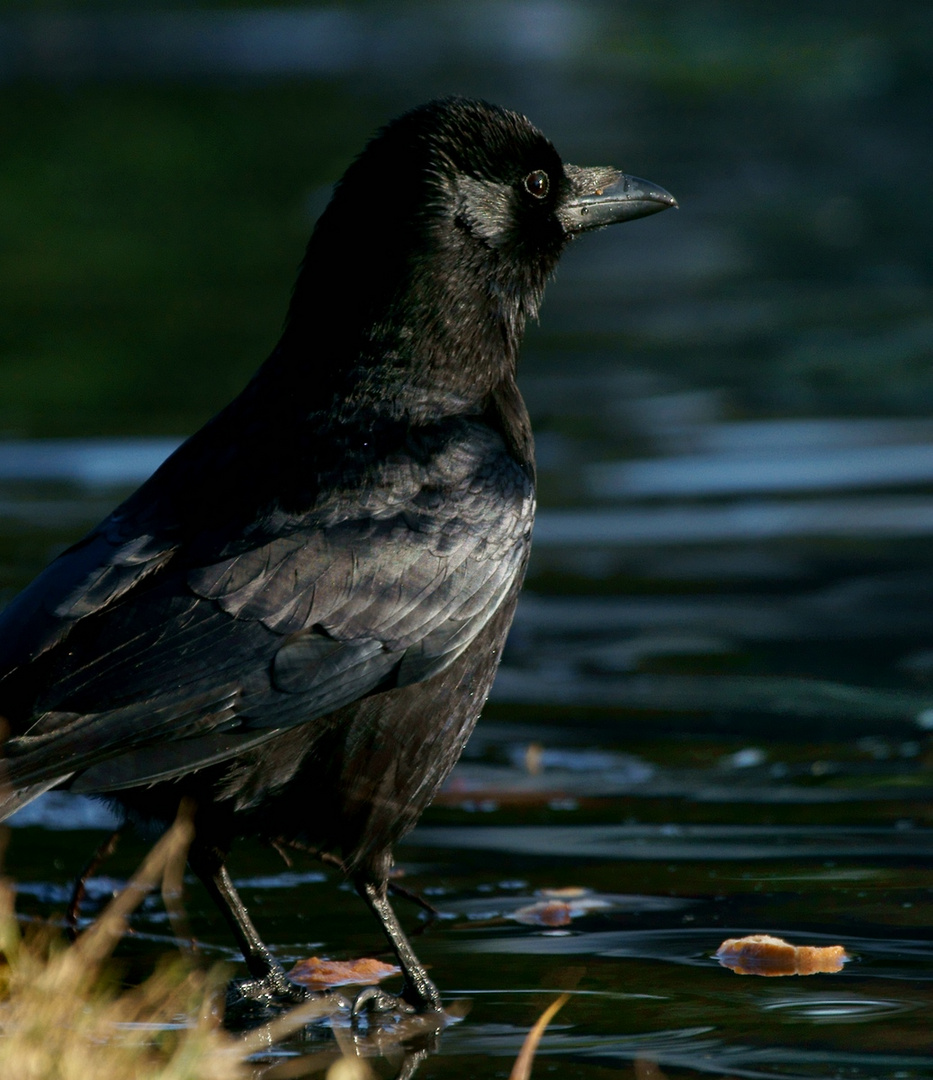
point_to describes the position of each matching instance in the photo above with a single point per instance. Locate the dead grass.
(64, 1014)
(521, 1070)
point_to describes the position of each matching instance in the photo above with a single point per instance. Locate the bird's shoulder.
(321, 529)
(439, 511)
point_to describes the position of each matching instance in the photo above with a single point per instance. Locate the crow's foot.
(374, 1002)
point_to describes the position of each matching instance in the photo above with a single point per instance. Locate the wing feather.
(152, 643)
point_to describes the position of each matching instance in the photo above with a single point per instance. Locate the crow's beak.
(603, 196)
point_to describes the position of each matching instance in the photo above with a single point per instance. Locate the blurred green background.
(160, 170)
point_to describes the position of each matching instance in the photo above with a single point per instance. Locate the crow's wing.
(88, 577)
(374, 588)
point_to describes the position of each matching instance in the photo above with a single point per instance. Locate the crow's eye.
(536, 183)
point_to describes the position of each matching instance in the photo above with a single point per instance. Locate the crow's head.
(439, 239)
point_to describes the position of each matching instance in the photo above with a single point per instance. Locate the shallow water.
(715, 711)
(703, 738)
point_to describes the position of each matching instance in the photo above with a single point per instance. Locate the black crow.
(296, 621)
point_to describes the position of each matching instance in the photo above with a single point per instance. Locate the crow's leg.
(280, 843)
(419, 994)
(268, 978)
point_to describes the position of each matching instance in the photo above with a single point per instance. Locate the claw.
(373, 1000)
(374, 1004)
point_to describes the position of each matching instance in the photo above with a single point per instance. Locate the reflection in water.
(305, 40)
(90, 463)
(828, 1009)
(716, 842)
(774, 469)
(877, 517)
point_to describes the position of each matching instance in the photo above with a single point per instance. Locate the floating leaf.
(321, 974)
(559, 907)
(545, 913)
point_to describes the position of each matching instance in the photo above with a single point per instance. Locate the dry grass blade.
(63, 1017)
(166, 856)
(350, 1068)
(287, 1024)
(521, 1070)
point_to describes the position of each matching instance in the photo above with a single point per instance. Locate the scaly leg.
(419, 994)
(269, 980)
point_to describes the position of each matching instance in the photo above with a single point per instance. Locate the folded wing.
(135, 658)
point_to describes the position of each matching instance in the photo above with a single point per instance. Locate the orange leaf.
(545, 913)
(321, 974)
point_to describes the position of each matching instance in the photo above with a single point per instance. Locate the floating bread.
(763, 954)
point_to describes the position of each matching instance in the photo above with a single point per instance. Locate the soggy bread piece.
(763, 954)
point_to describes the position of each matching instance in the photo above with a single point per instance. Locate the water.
(715, 711)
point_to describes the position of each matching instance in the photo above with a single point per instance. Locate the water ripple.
(835, 1009)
